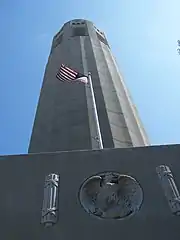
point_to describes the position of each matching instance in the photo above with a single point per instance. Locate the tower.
(64, 118)
(62, 192)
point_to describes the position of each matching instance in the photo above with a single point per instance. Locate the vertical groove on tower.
(91, 115)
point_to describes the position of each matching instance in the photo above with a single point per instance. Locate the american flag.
(67, 74)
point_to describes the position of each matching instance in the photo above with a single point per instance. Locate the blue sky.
(143, 37)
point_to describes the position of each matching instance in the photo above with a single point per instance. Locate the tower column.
(64, 119)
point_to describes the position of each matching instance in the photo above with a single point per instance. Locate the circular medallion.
(111, 195)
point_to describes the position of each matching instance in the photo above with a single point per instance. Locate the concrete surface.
(22, 185)
(64, 118)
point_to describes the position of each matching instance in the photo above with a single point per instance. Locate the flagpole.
(99, 137)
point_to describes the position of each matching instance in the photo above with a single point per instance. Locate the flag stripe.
(60, 77)
(71, 70)
(63, 77)
(68, 69)
(65, 74)
(66, 77)
(68, 72)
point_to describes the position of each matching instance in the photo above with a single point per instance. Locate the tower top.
(80, 25)
(78, 20)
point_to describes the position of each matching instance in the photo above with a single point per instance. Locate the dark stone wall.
(22, 184)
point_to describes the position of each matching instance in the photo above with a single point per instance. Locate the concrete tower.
(64, 118)
(91, 194)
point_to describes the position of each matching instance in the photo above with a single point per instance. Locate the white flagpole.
(99, 137)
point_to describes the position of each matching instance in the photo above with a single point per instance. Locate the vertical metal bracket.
(170, 189)
(50, 201)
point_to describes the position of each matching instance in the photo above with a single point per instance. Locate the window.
(78, 23)
(79, 28)
(58, 40)
(59, 33)
(102, 39)
(79, 31)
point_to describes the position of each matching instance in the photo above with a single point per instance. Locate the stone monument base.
(105, 194)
